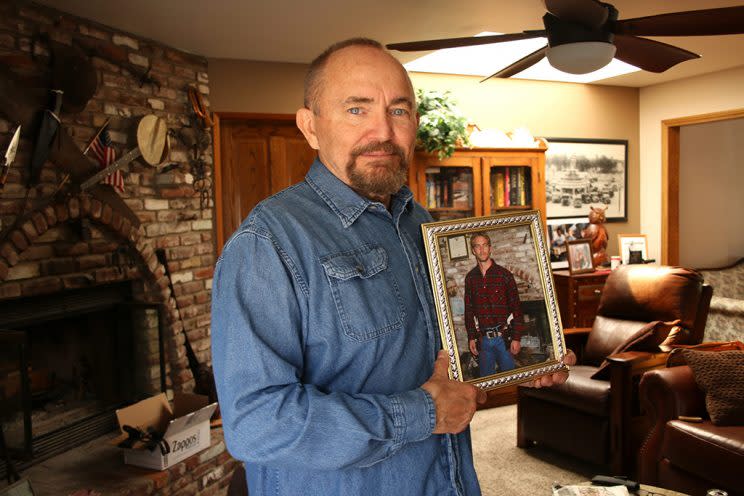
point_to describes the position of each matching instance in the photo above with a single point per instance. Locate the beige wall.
(711, 182)
(261, 87)
(715, 92)
(547, 109)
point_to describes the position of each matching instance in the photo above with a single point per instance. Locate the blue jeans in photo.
(493, 351)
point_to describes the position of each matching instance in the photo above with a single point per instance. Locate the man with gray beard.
(324, 331)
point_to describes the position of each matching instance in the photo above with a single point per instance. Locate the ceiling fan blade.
(590, 13)
(727, 20)
(650, 55)
(461, 42)
(519, 65)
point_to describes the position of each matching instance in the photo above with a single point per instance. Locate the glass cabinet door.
(450, 188)
(510, 184)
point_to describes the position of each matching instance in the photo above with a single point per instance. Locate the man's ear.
(306, 122)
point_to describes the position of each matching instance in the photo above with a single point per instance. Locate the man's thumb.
(441, 365)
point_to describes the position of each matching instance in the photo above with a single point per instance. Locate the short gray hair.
(315, 71)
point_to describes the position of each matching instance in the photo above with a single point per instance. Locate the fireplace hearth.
(68, 361)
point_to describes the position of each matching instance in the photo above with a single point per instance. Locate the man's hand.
(473, 345)
(515, 346)
(558, 377)
(454, 401)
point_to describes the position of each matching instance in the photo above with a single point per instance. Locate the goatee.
(379, 177)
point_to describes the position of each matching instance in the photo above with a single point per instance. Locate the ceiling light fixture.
(582, 57)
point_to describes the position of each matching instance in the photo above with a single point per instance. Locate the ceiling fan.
(585, 35)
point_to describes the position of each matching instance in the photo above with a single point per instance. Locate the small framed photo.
(496, 306)
(632, 248)
(560, 232)
(457, 247)
(580, 256)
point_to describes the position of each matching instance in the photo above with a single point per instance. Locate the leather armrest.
(641, 360)
(676, 388)
(665, 394)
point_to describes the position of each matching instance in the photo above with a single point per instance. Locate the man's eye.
(399, 111)
(354, 110)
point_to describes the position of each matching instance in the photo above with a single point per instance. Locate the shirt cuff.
(415, 415)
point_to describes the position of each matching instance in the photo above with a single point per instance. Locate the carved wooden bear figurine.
(597, 233)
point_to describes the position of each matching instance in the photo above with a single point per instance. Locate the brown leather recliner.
(689, 457)
(599, 419)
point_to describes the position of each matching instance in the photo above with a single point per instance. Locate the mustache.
(379, 146)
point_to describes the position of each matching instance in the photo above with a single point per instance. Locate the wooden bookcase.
(480, 181)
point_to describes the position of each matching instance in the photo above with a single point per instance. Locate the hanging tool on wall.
(10, 154)
(47, 131)
(203, 374)
(197, 105)
(198, 141)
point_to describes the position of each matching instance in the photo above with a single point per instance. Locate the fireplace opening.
(68, 361)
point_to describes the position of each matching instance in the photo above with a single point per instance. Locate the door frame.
(670, 131)
(218, 118)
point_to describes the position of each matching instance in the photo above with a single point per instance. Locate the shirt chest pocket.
(365, 292)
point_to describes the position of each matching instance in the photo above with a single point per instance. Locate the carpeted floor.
(504, 469)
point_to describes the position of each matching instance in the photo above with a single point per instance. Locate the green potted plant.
(441, 127)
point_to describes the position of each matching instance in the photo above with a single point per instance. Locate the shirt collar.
(346, 203)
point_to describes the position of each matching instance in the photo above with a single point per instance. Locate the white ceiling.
(297, 30)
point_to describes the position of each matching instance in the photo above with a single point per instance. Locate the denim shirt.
(323, 331)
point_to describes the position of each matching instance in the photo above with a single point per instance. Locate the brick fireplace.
(57, 242)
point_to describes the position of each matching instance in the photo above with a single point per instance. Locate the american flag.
(106, 155)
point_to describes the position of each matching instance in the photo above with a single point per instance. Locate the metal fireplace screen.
(67, 362)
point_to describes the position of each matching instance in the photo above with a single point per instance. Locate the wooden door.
(257, 157)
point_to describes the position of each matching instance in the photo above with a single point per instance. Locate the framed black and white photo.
(520, 338)
(580, 173)
(560, 232)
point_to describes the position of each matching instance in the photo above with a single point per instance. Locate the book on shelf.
(499, 189)
(514, 186)
(507, 187)
(522, 196)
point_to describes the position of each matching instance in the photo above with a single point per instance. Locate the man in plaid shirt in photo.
(491, 297)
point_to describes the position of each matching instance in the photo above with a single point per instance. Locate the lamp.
(581, 57)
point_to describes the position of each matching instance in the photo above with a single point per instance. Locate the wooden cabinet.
(480, 181)
(578, 296)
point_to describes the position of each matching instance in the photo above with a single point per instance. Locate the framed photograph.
(580, 173)
(520, 337)
(560, 232)
(632, 248)
(457, 247)
(580, 256)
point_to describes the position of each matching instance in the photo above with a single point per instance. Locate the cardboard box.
(186, 428)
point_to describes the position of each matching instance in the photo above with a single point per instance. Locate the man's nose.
(382, 126)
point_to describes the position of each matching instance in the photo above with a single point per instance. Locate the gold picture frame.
(521, 260)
